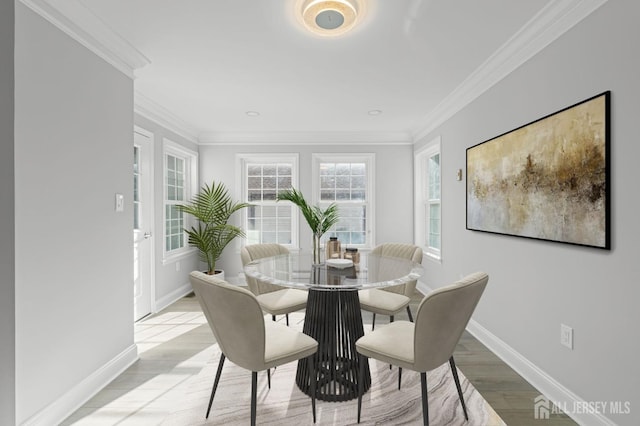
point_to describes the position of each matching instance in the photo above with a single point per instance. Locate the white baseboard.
(175, 295)
(64, 406)
(547, 385)
(423, 288)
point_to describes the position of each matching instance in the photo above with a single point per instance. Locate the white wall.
(534, 286)
(393, 181)
(7, 216)
(74, 263)
(171, 282)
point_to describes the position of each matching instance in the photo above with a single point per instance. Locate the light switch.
(119, 202)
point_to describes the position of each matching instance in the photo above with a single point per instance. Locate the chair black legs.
(425, 402)
(454, 371)
(373, 324)
(254, 391)
(423, 380)
(314, 378)
(254, 386)
(215, 384)
(273, 318)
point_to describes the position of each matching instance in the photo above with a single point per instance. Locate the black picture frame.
(546, 180)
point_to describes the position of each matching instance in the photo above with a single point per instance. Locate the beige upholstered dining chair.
(250, 342)
(441, 318)
(275, 300)
(391, 300)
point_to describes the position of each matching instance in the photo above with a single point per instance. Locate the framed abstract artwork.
(546, 180)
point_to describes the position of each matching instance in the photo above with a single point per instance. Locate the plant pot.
(218, 274)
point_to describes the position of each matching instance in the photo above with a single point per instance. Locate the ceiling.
(211, 61)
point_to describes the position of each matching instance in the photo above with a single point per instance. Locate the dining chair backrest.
(442, 318)
(258, 251)
(402, 251)
(235, 317)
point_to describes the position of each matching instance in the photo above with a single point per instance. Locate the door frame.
(152, 255)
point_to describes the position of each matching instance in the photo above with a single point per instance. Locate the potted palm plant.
(212, 207)
(320, 221)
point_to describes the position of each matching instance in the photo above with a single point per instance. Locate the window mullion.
(262, 177)
(179, 180)
(346, 179)
(428, 195)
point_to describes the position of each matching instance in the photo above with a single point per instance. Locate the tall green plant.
(320, 221)
(212, 207)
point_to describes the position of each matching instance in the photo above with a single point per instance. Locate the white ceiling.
(211, 61)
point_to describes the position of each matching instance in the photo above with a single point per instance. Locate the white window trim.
(242, 160)
(421, 187)
(369, 159)
(191, 164)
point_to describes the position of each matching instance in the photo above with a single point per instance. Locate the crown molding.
(550, 23)
(78, 22)
(155, 112)
(306, 138)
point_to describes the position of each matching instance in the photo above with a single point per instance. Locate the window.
(428, 200)
(263, 176)
(179, 184)
(347, 180)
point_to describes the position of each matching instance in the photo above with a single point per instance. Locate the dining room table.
(333, 315)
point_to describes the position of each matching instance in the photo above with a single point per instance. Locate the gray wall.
(534, 286)
(74, 263)
(7, 216)
(393, 180)
(168, 279)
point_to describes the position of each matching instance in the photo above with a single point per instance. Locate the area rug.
(284, 404)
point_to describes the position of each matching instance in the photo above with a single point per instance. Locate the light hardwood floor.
(175, 344)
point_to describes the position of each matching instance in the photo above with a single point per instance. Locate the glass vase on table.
(317, 254)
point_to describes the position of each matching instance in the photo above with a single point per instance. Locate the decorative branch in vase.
(320, 221)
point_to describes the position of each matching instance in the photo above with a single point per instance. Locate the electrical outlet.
(119, 203)
(177, 266)
(566, 336)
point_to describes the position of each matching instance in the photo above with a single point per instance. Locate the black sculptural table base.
(333, 318)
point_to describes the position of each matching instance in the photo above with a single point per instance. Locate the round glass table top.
(297, 271)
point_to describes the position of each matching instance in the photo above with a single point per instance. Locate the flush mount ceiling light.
(330, 17)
